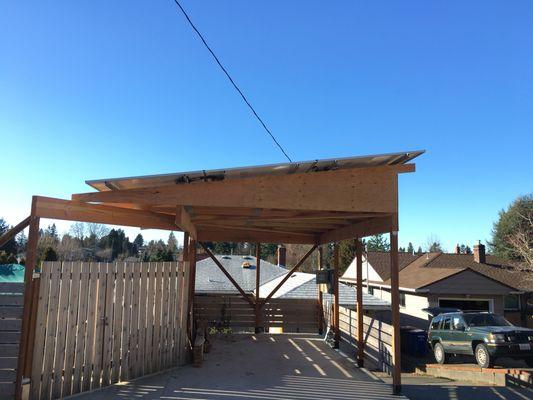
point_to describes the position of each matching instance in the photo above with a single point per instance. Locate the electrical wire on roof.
(231, 79)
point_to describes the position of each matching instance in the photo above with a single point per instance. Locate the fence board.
(81, 327)
(126, 318)
(142, 320)
(117, 321)
(157, 315)
(148, 367)
(171, 315)
(99, 327)
(134, 333)
(164, 316)
(107, 345)
(51, 329)
(92, 302)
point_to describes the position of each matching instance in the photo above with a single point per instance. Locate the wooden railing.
(377, 336)
(98, 324)
(232, 311)
(11, 302)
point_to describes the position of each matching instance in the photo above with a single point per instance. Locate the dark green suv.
(484, 335)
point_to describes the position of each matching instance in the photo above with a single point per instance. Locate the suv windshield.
(485, 320)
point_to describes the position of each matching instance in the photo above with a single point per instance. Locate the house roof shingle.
(209, 278)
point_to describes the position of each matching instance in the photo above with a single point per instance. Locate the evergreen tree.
(410, 248)
(139, 241)
(11, 246)
(50, 254)
(378, 243)
(512, 234)
(419, 251)
(172, 244)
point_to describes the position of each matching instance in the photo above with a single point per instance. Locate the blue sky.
(95, 89)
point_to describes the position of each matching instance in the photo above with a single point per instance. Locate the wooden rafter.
(363, 228)
(47, 207)
(228, 275)
(10, 234)
(288, 275)
(233, 235)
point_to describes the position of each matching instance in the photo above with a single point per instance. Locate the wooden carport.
(315, 203)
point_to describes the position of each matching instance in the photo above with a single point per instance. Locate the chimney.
(479, 253)
(282, 256)
(457, 249)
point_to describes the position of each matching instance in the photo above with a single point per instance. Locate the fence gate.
(101, 323)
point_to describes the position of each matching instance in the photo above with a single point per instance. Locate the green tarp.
(11, 273)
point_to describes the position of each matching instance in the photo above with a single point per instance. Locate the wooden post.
(320, 305)
(257, 285)
(26, 348)
(192, 282)
(395, 304)
(360, 329)
(336, 295)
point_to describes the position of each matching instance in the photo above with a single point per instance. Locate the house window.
(512, 302)
(402, 299)
(371, 290)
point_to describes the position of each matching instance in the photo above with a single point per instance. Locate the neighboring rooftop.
(209, 278)
(420, 270)
(302, 285)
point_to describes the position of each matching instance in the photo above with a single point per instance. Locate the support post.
(320, 299)
(25, 346)
(258, 327)
(395, 304)
(337, 337)
(192, 282)
(360, 329)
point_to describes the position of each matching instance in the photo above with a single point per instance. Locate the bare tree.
(98, 230)
(78, 230)
(433, 244)
(521, 240)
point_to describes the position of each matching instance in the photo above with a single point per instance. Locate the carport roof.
(146, 181)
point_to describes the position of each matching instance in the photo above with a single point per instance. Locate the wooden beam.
(31, 261)
(367, 189)
(336, 319)
(371, 226)
(47, 207)
(228, 275)
(360, 311)
(395, 306)
(229, 235)
(257, 286)
(288, 275)
(183, 220)
(10, 234)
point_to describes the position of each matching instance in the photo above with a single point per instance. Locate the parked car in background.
(484, 335)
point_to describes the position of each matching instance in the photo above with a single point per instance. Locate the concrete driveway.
(264, 366)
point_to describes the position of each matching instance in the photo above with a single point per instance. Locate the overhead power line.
(231, 79)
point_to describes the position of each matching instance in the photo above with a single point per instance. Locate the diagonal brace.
(10, 234)
(298, 264)
(228, 275)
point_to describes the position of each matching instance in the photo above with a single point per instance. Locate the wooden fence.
(377, 336)
(11, 302)
(100, 323)
(232, 311)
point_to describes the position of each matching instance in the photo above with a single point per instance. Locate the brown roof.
(429, 268)
(380, 261)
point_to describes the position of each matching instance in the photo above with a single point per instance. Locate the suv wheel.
(483, 357)
(438, 352)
